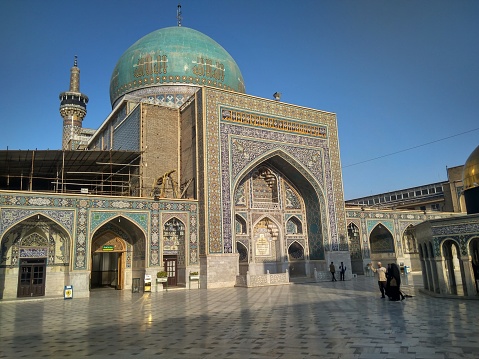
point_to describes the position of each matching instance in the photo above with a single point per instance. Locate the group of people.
(332, 270)
(389, 281)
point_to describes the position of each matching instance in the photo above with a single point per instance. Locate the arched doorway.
(32, 250)
(174, 248)
(296, 260)
(108, 262)
(118, 254)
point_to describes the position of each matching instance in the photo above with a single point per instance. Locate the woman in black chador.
(393, 285)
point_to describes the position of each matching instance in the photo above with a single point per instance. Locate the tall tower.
(73, 110)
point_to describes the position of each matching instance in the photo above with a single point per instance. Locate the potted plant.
(161, 276)
(194, 276)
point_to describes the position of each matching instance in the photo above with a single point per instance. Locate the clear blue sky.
(398, 74)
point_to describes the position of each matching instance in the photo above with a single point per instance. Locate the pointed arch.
(118, 252)
(46, 215)
(295, 251)
(409, 241)
(174, 233)
(318, 214)
(35, 236)
(354, 241)
(240, 225)
(381, 240)
(99, 219)
(453, 268)
(243, 252)
(265, 244)
(294, 225)
(264, 185)
(120, 223)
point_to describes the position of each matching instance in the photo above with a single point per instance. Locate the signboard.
(68, 292)
(107, 248)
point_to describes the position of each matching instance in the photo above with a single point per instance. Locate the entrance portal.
(106, 270)
(31, 279)
(108, 262)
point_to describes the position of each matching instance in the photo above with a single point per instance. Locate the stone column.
(442, 283)
(468, 279)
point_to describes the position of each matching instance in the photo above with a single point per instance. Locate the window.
(405, 195)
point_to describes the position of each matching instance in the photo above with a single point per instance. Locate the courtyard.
(302, 320)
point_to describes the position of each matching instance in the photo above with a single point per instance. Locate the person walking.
(393, 286)
(342, 271)
(381, 278)
(332, 269)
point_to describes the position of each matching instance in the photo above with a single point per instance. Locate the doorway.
(171, 267)
(31, 278)
(106, 270)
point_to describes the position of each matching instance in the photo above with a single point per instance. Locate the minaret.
(73, 110)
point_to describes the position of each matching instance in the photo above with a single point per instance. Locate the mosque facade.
(187, 174)
(192, 176)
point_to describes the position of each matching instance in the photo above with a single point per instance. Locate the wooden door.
(171, 269)
(119, 282)
(31, 279)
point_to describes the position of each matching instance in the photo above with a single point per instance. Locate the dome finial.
(75, 62)
(178, 14)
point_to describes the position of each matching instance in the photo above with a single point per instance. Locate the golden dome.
(470, 175)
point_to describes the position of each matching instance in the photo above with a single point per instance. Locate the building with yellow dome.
(449, 248)
(190, 174)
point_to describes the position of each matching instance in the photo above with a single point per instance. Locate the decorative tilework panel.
(126, 136)
(9, 217)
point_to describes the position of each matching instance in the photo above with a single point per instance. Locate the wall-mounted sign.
(263, 247)
(108, 248)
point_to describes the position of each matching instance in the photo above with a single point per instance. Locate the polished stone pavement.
(318, 320)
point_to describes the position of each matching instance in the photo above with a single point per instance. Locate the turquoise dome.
(171, 56)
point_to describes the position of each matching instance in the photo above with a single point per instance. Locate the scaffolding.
(111, 173)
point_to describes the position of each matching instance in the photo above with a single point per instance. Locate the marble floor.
(302, 320)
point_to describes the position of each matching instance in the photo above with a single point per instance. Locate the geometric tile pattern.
(86, 214)
(285, 128)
